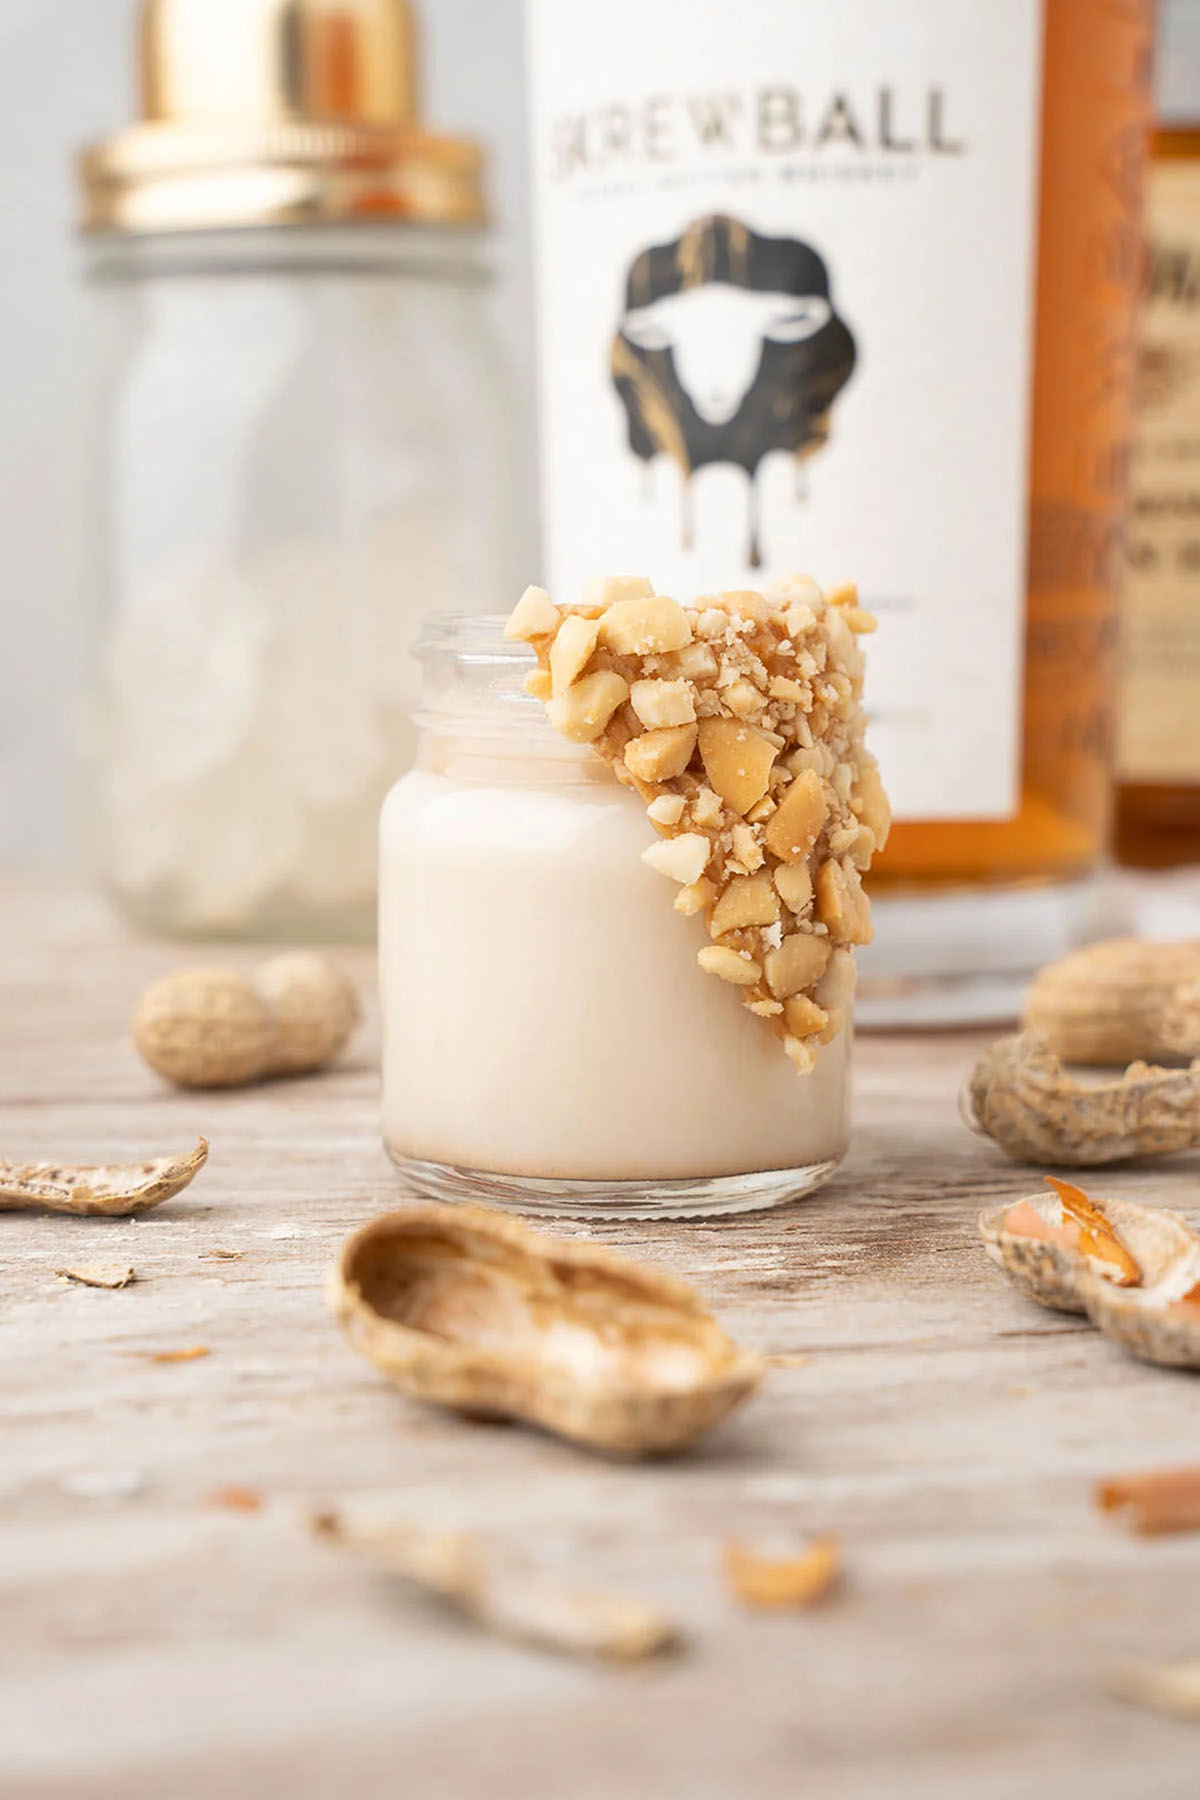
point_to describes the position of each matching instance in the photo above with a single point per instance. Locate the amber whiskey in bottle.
(1158, 796)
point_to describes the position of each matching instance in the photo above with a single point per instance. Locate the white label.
(785, 285)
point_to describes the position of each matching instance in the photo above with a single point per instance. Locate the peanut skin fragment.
(1160, 1501)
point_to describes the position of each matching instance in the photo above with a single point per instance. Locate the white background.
(67, 75)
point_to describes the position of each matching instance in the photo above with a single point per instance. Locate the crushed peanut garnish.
(740, 725)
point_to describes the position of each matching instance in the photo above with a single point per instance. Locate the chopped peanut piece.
(663, 702)
(796, 590)
(744, 700)
(842, 905)
(535, 615)
(661, 755)
(800, 1053)
(538, 685)
(740, 726)
(835, 990)
(692, 900)
(746, 603)
(684, 858)
(695, 662)
(751, 900)
(717, 959)
(746, 848)
(583, 712)
(645, 627)
(862, 851)
(571, 650)
(797, 822)
(837, 1023)
(804, 1017)
(869, 802)
(764, 1009)
(706, 808)
(799, 962)
(607, 590)
(667, 809)
(844, 594)
(795, 886)
(738, 761)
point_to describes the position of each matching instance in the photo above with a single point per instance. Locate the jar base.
(701, 1197)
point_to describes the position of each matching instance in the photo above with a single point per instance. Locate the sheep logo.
(729, 347)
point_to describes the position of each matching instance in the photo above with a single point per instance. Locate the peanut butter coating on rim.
(739, 723)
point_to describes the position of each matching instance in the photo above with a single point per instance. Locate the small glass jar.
(548, 1041)
(303, 450)
(305, 446)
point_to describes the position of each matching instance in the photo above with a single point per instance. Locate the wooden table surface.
(157, 1644)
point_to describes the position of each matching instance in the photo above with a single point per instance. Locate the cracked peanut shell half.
(739, 723)
(470, 1309)
(1133, 1270)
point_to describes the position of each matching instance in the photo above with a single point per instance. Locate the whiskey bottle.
(850, 290)
(1158, 796)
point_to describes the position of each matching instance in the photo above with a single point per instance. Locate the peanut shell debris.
(113, 1190)
(470, 1309)
(1021, 1096)
(500, 1595)
(739, 723)
(783, 1584)
(1134, 1270)
(1164, 1500)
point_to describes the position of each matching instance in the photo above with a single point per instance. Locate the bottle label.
(785, 304)
(1159, 737)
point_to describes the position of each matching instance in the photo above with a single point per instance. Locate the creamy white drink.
(543, 1012)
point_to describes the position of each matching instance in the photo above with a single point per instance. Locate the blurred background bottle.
(305, 447)
(852, 290)
(1158, 799)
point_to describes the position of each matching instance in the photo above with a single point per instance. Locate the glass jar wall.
(548, 1040)
(305, 447)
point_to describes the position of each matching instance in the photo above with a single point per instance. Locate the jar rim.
(473, 687)
(476, 638)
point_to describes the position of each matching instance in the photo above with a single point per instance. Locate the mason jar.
(304, 446)
(548, 1042)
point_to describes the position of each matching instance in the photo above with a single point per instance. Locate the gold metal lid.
(278, 112)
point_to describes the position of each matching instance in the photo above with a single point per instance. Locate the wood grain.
(159, 1642)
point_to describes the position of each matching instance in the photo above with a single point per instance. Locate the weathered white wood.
(157, 1645)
